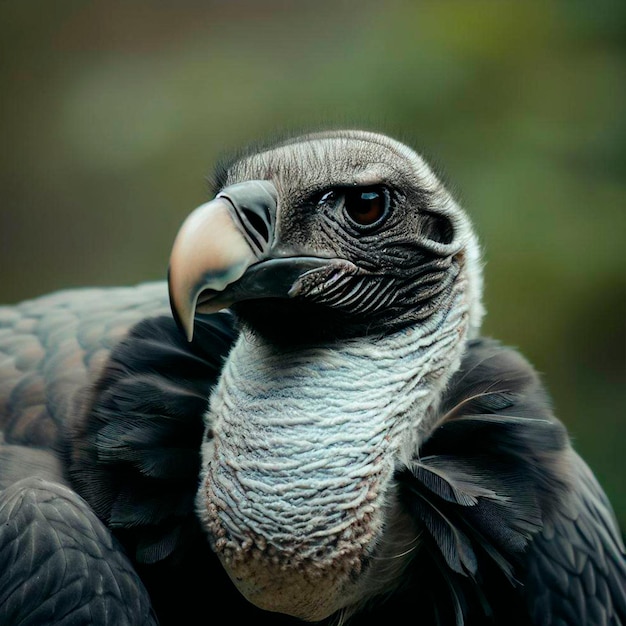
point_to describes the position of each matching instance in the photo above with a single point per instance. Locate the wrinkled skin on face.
(355, 277)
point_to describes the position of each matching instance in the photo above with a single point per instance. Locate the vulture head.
(356, 281)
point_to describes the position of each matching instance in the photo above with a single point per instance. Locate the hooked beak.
(226, 252)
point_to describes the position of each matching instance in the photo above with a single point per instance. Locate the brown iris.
(366, 206)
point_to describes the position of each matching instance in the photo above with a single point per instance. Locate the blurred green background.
(114, 112)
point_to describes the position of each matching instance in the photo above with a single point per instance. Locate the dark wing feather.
(576, 565)
(58, 559)
(134, 454)
(481, 484)
(50, 349)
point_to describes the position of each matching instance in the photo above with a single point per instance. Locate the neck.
(303, 442)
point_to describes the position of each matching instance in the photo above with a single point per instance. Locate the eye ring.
(366, 207)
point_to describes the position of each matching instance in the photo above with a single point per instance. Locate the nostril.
(254, 210)
(260, 225)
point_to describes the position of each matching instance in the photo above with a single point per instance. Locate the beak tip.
(190, 333)
(185, 324)
(183, 310)
(186, 329)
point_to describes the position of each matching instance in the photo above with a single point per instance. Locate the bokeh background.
(113, 113)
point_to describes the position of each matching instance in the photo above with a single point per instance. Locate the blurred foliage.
(114, 112)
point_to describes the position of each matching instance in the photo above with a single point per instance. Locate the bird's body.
(332, 439)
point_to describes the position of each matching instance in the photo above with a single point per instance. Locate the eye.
(366, 206)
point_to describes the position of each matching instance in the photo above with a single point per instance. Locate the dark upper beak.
(226, 251)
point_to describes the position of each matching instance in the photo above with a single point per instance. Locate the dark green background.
(113, 113)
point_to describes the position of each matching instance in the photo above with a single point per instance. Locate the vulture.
(303, 424)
